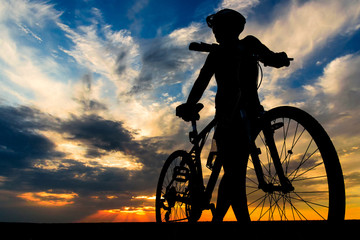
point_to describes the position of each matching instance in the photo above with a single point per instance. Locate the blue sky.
(88, 90)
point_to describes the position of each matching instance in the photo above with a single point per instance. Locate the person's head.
(227, 24)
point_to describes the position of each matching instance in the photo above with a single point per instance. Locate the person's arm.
(266, 56)
(189, 111)
(201, 82)
(199, 87)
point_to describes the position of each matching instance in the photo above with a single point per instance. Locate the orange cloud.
(124, 214)
(145, 197)
(49, 199)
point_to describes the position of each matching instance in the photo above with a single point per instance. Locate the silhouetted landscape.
(203, 230)
(89, 92)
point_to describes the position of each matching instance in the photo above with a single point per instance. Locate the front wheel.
(310, 163)
(176, 192)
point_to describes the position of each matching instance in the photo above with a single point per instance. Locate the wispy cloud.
(302, 29)
(241, 6)
(33, 13)
(134, 15)
(335, 94)
(49, 199)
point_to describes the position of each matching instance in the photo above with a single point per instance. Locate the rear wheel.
(310, 163)
(176, 190)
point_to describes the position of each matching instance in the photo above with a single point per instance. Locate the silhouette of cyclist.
(234, 63)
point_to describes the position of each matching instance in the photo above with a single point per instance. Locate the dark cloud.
(163, 62)
(98, 134)
(30, 162)
(164, 56)
(76, 177)
(20, 142)
(91, 105)
(88, 104)
(120, 62)
(25, 118)
(352, 179)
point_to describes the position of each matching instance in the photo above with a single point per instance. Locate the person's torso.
(236, 74)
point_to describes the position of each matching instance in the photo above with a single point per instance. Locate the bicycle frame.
(199, 139)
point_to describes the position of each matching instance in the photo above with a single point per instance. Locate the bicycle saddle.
(189, 112)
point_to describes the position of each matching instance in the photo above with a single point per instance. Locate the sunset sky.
(88, 90)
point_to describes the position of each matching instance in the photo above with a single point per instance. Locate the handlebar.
(205, 47)
(201, 47)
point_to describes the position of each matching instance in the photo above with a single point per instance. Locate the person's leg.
(238, 198)
(223, 198)
(232, 190)
(233, 149)
(223, 201)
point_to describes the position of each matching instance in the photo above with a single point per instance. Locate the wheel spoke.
(303, 161)
(308, 178)
(309, 169)
(174, 193)
(293, 207)
(263, 199)
(308, 203)
(297, 136)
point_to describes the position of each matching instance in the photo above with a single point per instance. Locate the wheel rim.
(303, 166)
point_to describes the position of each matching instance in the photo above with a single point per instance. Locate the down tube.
(213, 179)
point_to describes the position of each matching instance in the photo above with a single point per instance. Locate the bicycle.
(293, 172)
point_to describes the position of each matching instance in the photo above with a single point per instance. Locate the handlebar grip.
(194, 46)
(200, 47)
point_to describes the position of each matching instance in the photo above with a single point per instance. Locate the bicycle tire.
(176, 191)
(316, 173)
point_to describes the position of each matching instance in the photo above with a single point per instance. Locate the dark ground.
(229, 230)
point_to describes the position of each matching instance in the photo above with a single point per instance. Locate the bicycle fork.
(285, 185)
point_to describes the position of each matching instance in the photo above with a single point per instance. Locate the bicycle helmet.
(227, 18)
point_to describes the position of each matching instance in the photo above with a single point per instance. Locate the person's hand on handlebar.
(277, 60)
(189, 112)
